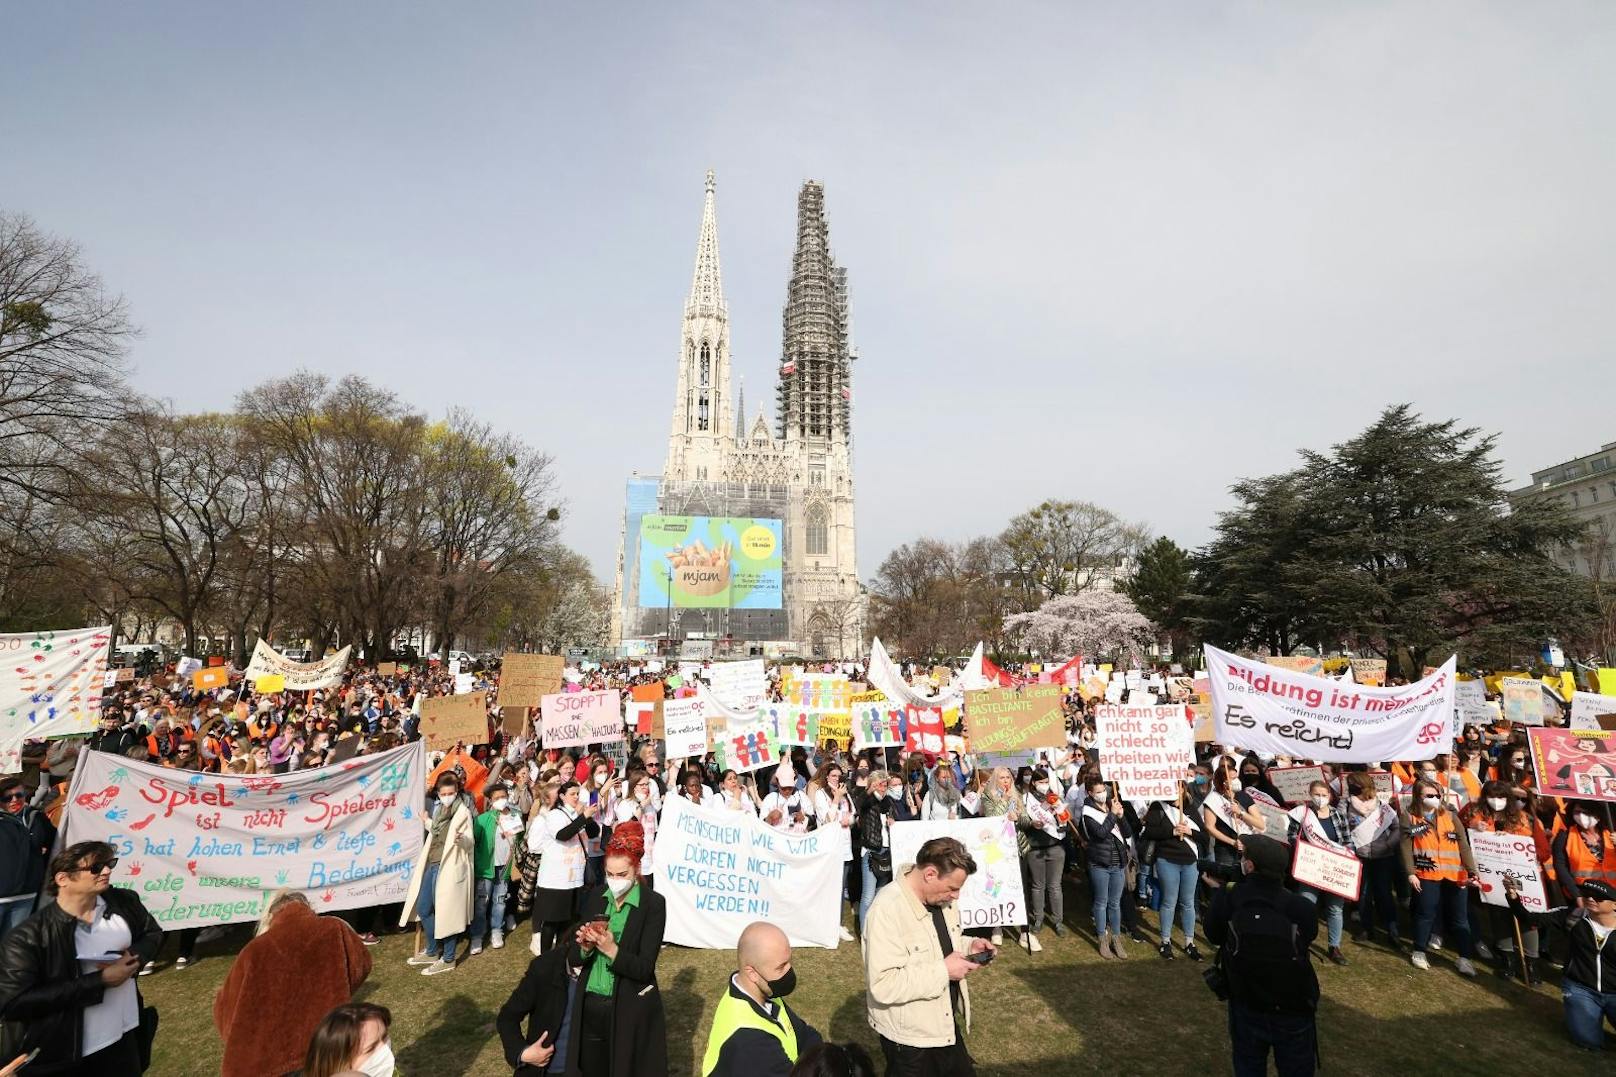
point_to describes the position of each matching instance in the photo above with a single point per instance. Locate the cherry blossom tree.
(1095, 624)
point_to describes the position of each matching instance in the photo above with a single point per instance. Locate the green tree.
(1402, 541)
(1160, 588)
(1065, 547)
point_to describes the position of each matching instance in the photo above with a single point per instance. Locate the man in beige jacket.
(915, 963)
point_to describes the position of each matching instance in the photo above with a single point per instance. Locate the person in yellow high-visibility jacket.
(754, 1034)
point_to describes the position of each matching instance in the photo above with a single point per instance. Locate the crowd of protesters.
(564, 840)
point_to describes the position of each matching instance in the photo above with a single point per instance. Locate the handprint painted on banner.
(393, 778)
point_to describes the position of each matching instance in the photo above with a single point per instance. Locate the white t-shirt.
(119, 1008)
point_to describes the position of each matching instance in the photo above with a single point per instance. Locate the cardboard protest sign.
(578, 719)
(1276, 821)
(1574, 762)
(993, 896)
(124, 675)
(345, 748)
(386, 669)
(450, 720)
(513, 720)
(792, 724)
(749, 746)
(1293, 782)
(1523, 700)
(1274, 711)
(1298, 664)
(742, 686)
(684, 727)
(1371, 671)
(206, 680)
(877, 725)
(1014, 719)
(1147, 751)
(1586, 707)
(836, 727)
(720, 870)
(1333, 872)
(1470, 699)
(525, 679)
(1508, 861)
(206, 849)
(1385, 785)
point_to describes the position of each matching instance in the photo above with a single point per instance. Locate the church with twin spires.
(797, 469)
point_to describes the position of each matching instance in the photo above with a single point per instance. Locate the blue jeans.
(490, 907)
(1334, 911)
(867, 894)
(1293, 1038)
(1456, 924)
(1108, 884)
(1177, 889)
(1583, 1008)
(13, 913)
(423, 908)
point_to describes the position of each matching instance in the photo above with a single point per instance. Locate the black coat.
(42, 992)
(25, 844)
(540, 1000)
(639, 1026)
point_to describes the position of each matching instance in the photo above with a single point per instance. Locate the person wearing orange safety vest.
(1584, 850)
(1497, 812)
(1437, 859)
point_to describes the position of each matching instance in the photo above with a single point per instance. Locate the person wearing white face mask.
(560, 834)
(1584, 850)
(496, 828)
(443, 885)
(1495, 812)
(1437, 859)
(1326, 826)
(353, 1038)
(1043, 820)
(1228, 815)
(1107, 834)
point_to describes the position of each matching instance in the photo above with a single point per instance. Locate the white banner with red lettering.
(204, 849)
(50, 686)
(1280, 712)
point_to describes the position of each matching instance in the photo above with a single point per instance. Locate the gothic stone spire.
(707, 285)
(815, 374)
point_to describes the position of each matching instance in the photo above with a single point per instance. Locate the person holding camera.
(915, 963)
(1263, 969)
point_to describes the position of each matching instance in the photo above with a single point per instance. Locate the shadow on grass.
(427, 1053)
(685, 1010)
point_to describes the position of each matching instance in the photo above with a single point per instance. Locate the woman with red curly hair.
(618, 1027)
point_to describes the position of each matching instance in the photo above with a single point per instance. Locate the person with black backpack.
(1263, 968)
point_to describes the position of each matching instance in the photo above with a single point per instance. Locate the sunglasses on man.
(96, 867)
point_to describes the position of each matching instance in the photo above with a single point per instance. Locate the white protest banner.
(300, 676)
(1147, 751)
(684, 727)
(1470, 699)
(1278, 712)
(1334, 872)
(1586, 707)
(577, 719)
(992, 897)
(50, 686)
(1293, 782)
(205, 849)
(1512, 858)
(720, 870)
(742, 686)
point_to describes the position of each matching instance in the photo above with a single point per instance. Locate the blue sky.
(1120, 252)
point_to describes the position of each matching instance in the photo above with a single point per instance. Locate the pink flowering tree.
(1095, 624)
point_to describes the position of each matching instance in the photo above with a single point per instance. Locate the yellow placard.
(1607, 681)
(270, 683)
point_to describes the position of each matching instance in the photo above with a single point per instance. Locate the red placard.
(923, 730)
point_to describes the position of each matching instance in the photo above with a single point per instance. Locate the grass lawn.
(1063, 1011)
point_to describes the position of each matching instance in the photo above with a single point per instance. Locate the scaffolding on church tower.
(815, 389)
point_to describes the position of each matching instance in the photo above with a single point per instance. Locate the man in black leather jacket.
(48, 999)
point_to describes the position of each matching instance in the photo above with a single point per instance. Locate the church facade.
(796, 470)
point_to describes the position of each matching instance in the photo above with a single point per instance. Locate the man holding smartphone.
(916, 961)
(67, 973)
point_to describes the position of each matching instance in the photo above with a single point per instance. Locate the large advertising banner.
(710, 562)
(206, 849)
(721, 870)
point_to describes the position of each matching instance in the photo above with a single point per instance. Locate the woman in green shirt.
(621, 1029)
